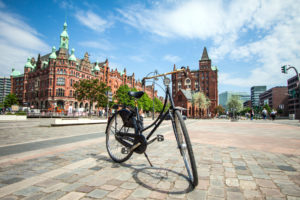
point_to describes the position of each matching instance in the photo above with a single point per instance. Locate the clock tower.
(64, 38)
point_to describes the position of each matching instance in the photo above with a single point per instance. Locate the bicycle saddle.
(136, 95)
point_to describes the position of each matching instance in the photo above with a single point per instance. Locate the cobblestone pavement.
(227, 168)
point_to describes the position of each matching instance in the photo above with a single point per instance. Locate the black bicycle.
(124, 131)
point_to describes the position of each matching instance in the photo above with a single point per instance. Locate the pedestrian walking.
(251, 114)
(264, 113)
(273, 114)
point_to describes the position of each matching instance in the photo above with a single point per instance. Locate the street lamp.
(284, 70)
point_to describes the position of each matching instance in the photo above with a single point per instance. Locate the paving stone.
(97, 193)
(10, 197)
(85, 189)
(246, 178)
(71, 187)
(232, 182)
(108, 187)
(271, 192)
(240, 168)
(265, 183)
(28, 191)
(53, 196)
(72, 196)
(141, 193)
(286, 168)
(157, 195)
(35, 196)
(119, 193)
(114, 182)
(197, 194)
(235, 196)
(293, 198)
(47, 183)
(12, 180)
(252, 194)
(202, 184)
(55, 187)
(216, 191)
(247, 185)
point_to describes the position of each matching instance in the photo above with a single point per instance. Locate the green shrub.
(21, 113)
(8, 113)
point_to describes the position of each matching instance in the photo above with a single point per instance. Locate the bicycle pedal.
(160, 138)
(124, 150)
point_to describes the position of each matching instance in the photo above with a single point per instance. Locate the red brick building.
(204, 79)
(48, 81)
(276, 98)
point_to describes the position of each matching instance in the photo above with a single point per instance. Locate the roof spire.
(205, 55)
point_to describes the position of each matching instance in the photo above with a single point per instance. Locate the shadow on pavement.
(148, 177)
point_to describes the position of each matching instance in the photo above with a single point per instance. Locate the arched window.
(60, 92)
(188, 83)
(60, 81)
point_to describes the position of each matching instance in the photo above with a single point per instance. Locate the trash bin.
(291, 116)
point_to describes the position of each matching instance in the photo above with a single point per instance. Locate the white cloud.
(17, 42)
(263, 32)
(171, 58)
(102, 44)
(92, 20)
(137, 58)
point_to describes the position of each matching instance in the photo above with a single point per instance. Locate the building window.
(60, 92)
(71, 93)
(60, 81)
(188, 83)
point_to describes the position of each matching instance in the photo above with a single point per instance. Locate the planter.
(12, 117)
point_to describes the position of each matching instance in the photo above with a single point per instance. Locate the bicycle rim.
(185, 147)
(113, 146)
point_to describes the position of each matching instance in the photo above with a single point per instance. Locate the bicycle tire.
(185, 147)
(114, 147)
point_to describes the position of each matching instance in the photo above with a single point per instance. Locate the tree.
(235, 104)
(91, 90)
(201, 100)
(158, 105)
(267, 107)
(219, 110)
(122, 96)
(10, 100)
(145, 103)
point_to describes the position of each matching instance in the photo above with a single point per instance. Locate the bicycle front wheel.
(116, 150)
(185, 148)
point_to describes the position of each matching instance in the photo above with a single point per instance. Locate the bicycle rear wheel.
(115, 148)
(185, 147)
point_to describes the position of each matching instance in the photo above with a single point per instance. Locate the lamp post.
(284, 70)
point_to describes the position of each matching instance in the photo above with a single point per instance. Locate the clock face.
(64, 39)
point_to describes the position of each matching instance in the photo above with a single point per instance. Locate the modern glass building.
(5, 85)
(255, 92)
(225, 96)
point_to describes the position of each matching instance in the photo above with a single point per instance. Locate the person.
(251, 114)
(264, 113)
(273, 114)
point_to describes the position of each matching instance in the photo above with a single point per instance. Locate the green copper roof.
(214, 68)
(28, 64)
(72, 57)
(96, 68)
(15, 72)
(65, 33)
(53, 54)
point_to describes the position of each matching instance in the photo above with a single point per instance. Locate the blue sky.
(247, 40)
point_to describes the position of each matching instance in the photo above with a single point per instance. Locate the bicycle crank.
(140, 144)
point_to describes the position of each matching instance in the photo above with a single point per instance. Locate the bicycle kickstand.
(148, 159)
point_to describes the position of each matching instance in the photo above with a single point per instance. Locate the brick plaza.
(235, 160)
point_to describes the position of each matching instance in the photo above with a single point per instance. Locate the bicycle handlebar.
(159, 75)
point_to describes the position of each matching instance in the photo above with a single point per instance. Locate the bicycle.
(124, 131)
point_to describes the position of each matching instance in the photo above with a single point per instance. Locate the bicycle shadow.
(153, 174)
